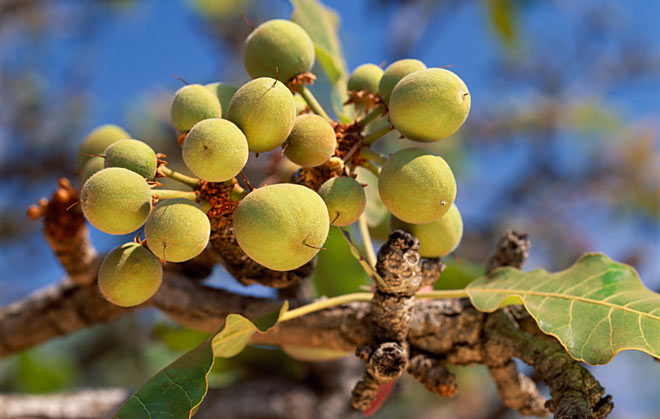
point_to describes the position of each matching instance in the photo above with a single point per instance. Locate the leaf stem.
(314, 104)
(372, 137)
(169, 194)
(371, 116)
(180, 177)
(366, 239)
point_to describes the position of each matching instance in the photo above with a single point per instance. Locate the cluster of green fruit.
(281, 226)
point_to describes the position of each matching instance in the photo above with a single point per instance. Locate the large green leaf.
(502, 15)
(178, 389)
(596, 308)
(321, 24)
(337, 271)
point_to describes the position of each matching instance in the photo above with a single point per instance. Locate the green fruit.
(133, 155)
(177, 230)
(129, 275)
(365, 77)
(92, 166)
(279, 49)
(311, 142)
(429, 105)
(281, 226)
(301, 103)
(224, 92)
(215, 150)
(265, 111)
(345, 199)
(98, 140)
(438, 238)
(395, 72)
(194, 103)
(116, 200)
(416, 186)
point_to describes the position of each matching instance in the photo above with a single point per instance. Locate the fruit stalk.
(371, 116)
(366, 239)
(170, 194)
(314, 104)
(371, 138)
(371, 155)
(179, 177)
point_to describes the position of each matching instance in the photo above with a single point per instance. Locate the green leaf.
(321, 24)
(178, 389)
(596, 308)
(502, 15)
(370, 270)
(337, 272)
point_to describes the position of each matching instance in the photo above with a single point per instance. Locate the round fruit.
(116, 200)
(438, 238)
(345, 199)
(98, 140)
(194, 103)
(132, 155)
(224, 92)
(215, 150)
(177, 230)
(92, 166)
(281, 226)
(416, 186)
(265, 111)
(279, 49)
(130, 275)
(311, 142)
(395, 72)
(429, 105)
(365, 77)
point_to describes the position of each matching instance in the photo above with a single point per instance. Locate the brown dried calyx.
(386, 356)
(300, 80)
(364, 98)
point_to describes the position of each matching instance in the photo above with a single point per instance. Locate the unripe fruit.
(416, 186)
(129, 275)
(133, 155)
(438, 238)
(116, 200)
(215, 150)
(92, 166)
(281, 226)
(98, 140)
(278, 46)
(429, 105)
(365, 77)
(395, 72)
(177, 230)
(265, 111)
(194, 103)
(345, 199)
(224, 92)
(311, 142)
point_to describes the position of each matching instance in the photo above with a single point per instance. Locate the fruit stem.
(371, 138)
(179, 177)
(324, 303)
(366, 239)
(169, 194)
(314, 104)
(371, 155)
(237, 193)
(371, 116)
(371, 167)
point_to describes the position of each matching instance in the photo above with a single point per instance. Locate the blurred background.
(562, 142)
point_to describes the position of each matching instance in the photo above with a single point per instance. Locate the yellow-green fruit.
(224, 92)
(395, 72)
(365, 77)
(116, 200)
(92, 166)
(194, 103)
(279, 49)
(416, 186)
(345, 199)
(312, 141)
(98, 140)
(133, 155)
(215, 150)
(438, 238)
(281, 226)
(129, 275)
(177, 230)
(429, 105)
(265, 111)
